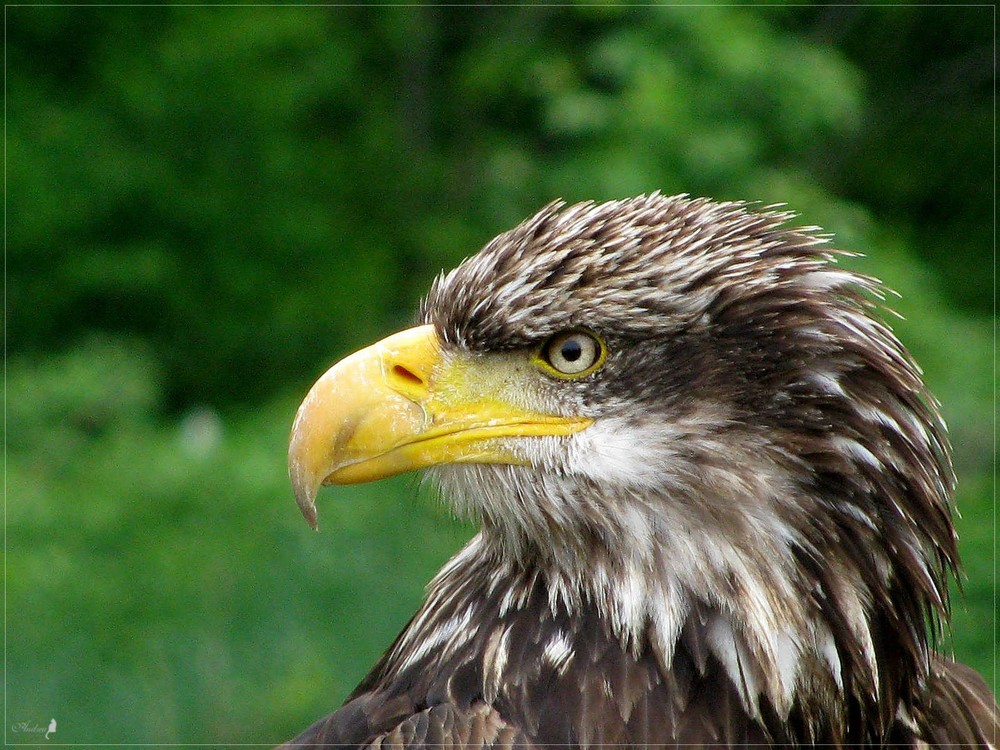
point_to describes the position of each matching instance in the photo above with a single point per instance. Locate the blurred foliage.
(206, 205)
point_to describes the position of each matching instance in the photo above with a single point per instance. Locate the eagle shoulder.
(371, 722)
(957, 708)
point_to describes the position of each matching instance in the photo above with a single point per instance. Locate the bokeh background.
(206, 206)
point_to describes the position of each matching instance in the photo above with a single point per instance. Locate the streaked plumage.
(745, 545)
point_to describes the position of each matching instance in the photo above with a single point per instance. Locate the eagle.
(714, 496)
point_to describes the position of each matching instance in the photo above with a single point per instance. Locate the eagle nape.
(714, 495)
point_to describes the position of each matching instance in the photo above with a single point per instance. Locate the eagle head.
(684, 416)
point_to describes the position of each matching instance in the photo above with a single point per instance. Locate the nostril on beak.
(407, 375)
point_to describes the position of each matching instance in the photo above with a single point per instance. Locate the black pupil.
(571, 350)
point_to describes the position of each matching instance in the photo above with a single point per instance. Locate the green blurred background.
(207, 206)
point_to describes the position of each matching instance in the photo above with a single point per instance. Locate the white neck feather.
(649, 563)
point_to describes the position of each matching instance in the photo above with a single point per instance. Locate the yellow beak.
(405, 403)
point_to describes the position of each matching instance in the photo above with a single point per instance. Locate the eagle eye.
(572, 354)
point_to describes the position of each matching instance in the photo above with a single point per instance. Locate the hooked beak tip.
(309, 513)
(305, 491)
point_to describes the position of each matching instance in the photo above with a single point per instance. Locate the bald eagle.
(714, 495)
